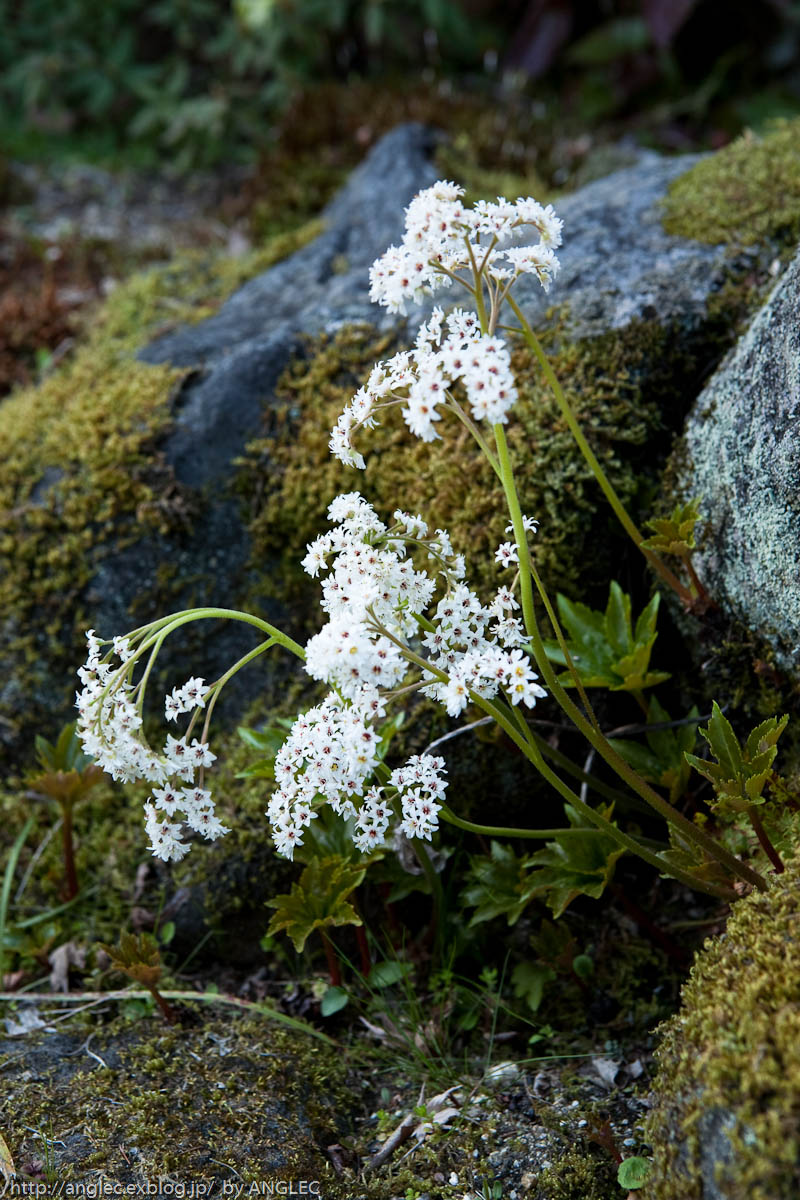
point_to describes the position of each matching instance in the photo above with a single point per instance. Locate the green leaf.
(723, 741)
(568, 866)
(497, 885)
(270, 739)
(663, 760)
(529, 980)
(633, 1172)
(331, 837)
(617, 622)
(583, 966)
(646, 624)
(387, 731)
(739, 774)
(317, 900)
(66, 754)
(675, 534)
(333, 1000)
(571, 866)
(263, 769)
(137, 956)
(605, 649)
(384, 974)
(166, 933)
(610, 41)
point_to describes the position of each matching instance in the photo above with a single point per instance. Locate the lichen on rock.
(740, 456)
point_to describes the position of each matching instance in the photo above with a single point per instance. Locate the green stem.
(479, 300)
(531, 752)
(593, 735)
(597, 785)
(473, 429)
(223, 679)
(175, 621)
(505, 831)
(164, 626)
(595, 818)
(608, 490)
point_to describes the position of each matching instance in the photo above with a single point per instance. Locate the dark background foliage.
(206, 80)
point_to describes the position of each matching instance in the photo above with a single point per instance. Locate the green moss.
(580, 1175)
(81, 469)
(223, 1096)
(463, 160)
(746, 193)
(729, 1061)
(627, 388)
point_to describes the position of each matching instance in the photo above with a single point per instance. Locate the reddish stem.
(333, 963)
(766, 844)
(71, 881)
(702, 600)
(169, 1013)
(603, 1136)
(363, 950)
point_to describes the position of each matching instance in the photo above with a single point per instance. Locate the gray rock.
(618, 264)
(240, 354)
(244, 347)
(743, 461)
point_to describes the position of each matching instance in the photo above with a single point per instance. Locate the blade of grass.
(5, 893)
(29, 922)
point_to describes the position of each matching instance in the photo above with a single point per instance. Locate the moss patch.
(225, 1096)
(580, 1176)
(746, 193)
(728, 1088)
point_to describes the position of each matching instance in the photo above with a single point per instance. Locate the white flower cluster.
(443, 237)
(449, 350)
(330, 752)
(109, 726)
(475, 658)
(376, 600)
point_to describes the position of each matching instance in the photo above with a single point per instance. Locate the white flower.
(528, 524)
(539, 260)
(450, 352)
(506, 554)
(164, 837)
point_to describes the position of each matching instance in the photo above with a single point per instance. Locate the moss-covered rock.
(744, 194)
(82, 475)
(627, 389)
(224, 1096)
(725, 1122)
